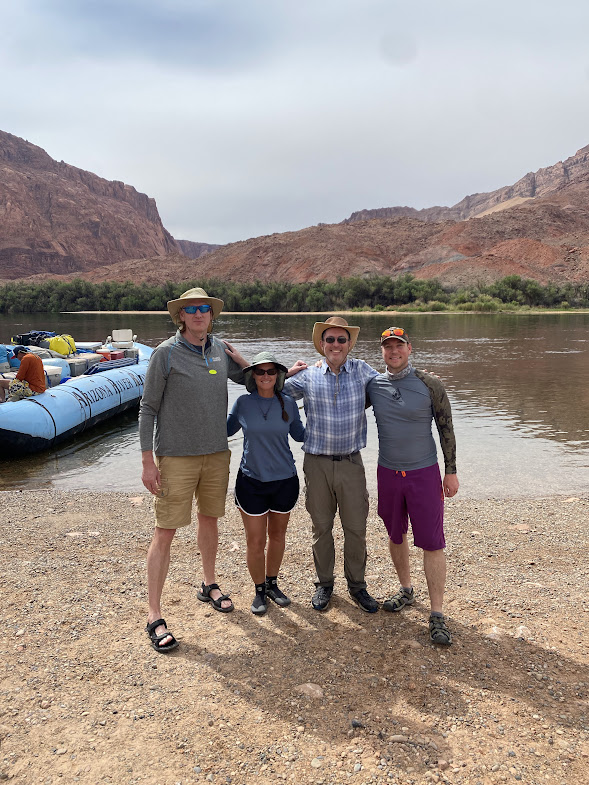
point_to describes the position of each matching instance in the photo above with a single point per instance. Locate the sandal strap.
(158, 638)
(439, 632)
(206, 590)
(155, 624)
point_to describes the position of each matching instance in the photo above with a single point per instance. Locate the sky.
(246, 118)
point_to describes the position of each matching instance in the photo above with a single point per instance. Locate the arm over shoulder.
(295, 385)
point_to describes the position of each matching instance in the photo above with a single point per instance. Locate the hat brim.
(320, 327)
(175, 306)
(250, 381)
(394, 337)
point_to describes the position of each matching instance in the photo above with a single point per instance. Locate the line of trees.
(373, 293)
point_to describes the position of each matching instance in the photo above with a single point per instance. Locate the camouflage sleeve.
(443, 418)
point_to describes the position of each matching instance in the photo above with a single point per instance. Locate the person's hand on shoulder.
(300, 365)
(235, 355)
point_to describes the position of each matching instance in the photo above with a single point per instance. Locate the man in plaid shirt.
(334, 397)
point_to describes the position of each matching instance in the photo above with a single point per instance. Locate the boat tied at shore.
(84, 388)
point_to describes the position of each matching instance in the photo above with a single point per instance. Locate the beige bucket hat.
(174, 306)
(334, 321)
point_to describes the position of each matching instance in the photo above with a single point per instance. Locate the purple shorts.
(418, 495)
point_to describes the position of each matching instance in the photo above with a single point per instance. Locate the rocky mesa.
(544, 238)
(59, 221)
(56, 218)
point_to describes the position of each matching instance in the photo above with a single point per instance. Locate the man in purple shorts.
(405, 401)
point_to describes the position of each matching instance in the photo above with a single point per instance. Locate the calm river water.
(518, 383)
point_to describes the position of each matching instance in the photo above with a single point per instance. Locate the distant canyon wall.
(57, 218)
(534, 184)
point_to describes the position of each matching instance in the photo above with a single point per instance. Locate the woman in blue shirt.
(267, 486)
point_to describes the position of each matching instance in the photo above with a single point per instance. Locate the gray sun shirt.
(185, 397)
(404, 410)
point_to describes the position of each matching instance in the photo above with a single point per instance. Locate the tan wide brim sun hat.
(174, 306)
(334, 321)
(260, 359)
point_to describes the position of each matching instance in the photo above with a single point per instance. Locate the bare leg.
(400, 557)
(4, 385)
(208, 542)
(255, 535)
(158, 562)
(277, 523)
(434, 565)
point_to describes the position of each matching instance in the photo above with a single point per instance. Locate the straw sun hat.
(334, 321)
(174, 306)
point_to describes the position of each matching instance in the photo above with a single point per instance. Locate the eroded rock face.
(534, 184)
(59, 219)
(195, 250)
(546, 239)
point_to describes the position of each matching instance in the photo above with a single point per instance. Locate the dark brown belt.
(339, 457)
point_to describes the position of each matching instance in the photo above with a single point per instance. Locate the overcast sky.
(247, 117)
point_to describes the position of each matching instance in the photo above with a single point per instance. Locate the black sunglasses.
(262, 371)
(333, 339)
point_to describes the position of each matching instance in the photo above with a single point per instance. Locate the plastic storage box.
(78, 365)
(132, 352)
(53, 373)
(91, 359)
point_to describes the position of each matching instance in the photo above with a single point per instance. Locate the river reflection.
(519, 386)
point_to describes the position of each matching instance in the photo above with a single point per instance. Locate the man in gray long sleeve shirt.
(185, 398)
(405, 401)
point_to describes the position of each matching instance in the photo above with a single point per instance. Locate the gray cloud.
(204, 34)
(246, 118)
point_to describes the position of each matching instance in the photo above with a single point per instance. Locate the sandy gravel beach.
(85, 698)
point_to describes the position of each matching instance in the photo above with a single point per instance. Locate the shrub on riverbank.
(376, 293)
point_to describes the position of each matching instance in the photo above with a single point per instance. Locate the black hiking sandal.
(156, 639)
(204, 595)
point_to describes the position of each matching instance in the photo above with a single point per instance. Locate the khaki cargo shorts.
(203, 477)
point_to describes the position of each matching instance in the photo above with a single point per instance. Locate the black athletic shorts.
(258, 498)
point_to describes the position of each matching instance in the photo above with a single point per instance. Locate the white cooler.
(93, 345)
(53, 373)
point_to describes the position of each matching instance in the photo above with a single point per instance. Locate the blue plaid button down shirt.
(334, 405)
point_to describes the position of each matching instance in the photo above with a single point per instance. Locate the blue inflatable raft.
(44, 420)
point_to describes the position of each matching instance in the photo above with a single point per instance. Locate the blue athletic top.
(266, 454)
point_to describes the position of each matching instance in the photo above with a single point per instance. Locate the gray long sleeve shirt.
(185, 396)
(404, 410)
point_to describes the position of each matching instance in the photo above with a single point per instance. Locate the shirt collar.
(325, 367)
(191, 346)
